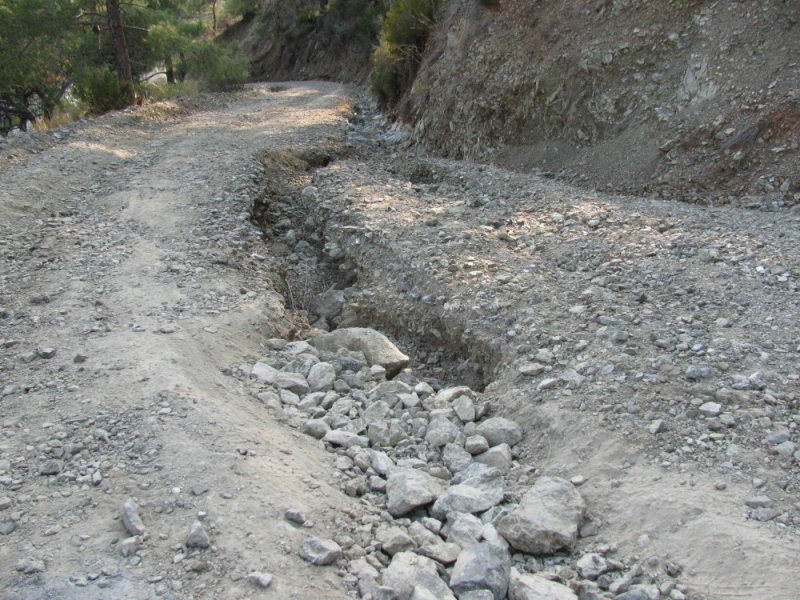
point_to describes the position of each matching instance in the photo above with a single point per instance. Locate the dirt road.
(126, 250)
(648, 350)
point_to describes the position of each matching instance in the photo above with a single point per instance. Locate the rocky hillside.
(688, 98)
(684, 97)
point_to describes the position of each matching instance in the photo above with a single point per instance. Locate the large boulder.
(547, 519)
(264, 373)
(473, 495)
(409, 572)
(533, 587)
(441, 431)
(498, 430)
(406, 489)
(346, 439)
(394, 540)
(482, 567)
(455, 458)
(499, 457)
(321, 377)
(375, 346)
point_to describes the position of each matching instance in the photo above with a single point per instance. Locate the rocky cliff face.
(671, 97)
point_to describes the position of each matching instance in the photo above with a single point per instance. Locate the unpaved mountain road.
(117, 232)
(647, 348)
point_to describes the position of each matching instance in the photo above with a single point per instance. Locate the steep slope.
(299, 40)
(684, 97)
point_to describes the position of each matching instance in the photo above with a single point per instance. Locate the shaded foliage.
(404, 34)
(47, 45)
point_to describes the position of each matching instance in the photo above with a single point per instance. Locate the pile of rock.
(431, 468)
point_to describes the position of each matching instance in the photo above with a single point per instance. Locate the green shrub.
(404, 33)
(408, 22)
(220, 67)
(358, 20)
(235, 8)
(102, 90)
(164, 91)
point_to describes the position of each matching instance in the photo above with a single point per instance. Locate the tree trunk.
(214, 15)
(170, 68)
(120, 46)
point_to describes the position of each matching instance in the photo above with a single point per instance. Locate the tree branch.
(153, 75)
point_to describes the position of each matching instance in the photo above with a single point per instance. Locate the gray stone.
(347, 439)
(129, 546)
(785, 449)
(473, 495)
(498, 430)
(547, 518)
(418, 594)
(777, 437)
(295, 515)
(482, 567)
(409, 400)
(289, 398)
(30, 566)
(476, 444)
(262, 580)
(376, 347)
(531, 369)
(498, 457)
(7, 527)
(367, 576)
(378, 412)
(389, 387)
(572, 379)
(643, 592)
(264, 373)
(464, 408)
(442, 552)
(409, 571)
(316, 428)
(197, 536)
(533, 587)
(455, 458)
(441, 431)
(130, 517)
(294, 382)
(759, 502)
(321, 377)
(394, 540)
(46, 352)
(710, 409)
(311, 400)
(729, 396)
(546, 384)
(320, 552)
(445, 398)
(328, 304)
(28, 357)
(51, 467)
(422, 535)
(592, 565)
(477, 595)
(381, 462)
(472, 470)
(406, 489)
(464, 529)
